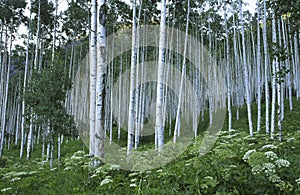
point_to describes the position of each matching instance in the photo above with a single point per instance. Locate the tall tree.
(93, 75)
(131, 114)
(159, 126)
(101, 77)
(246, 73)
(23, 124)
(266, 56)
(258, 75)
(228, 72)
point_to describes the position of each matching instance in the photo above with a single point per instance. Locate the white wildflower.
(247, 154)
(76, 157)
(298, 181)
(133, 174)
(79, 152)
(6, 189)
(67, 168)
(269, 146)
(114, 167)
(256, 169)
(105, 181)
(268, 168)
(282, 163)
(274, 178)
(133, 180)
(133, 185)
(271, 155)
(94, 175)
(15, 179)
(32, 172)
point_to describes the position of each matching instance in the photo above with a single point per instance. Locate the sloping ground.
(238, 164)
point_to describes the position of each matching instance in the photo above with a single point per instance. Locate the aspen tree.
(159, 126)
(101, 77)
(131, 114)
(246, 74)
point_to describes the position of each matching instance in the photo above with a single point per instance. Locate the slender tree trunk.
(5, 99)
(137, 83)
(101, 77)
(131, 114)
(228, 73)
(237, 62)
(120, 94)
(58, 149)
(258, 75)
(111, 83)
(51, 153)
(280, 106)
(159, 126)
(54, 34)
(37, 41)
(274, 65)
(287, 62)
(296, 55)
(246, 74)
(266, 67)
(93, 76)
(24, 89)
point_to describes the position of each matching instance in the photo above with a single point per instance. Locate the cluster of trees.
(257, 55)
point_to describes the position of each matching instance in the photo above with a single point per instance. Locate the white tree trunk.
(297, 72)
(137, 83)
(274, 65)
(159, 126)
(258, 75)
(6, 82)
(131, 114)
(237, 62)
(120, 94)
(58, 149)
(287, 62)
(37, 38)
(228, 73)
(101, 75)
(266, 67)
(54, 33)
(93, 75)
(24, 88)
(246, 74)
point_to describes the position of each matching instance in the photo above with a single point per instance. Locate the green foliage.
(46, 96)
(288, 8)
(4, 161)
(76, 21)
(237, 164)
(12, 9)
(46, 10)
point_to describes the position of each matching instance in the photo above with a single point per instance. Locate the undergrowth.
(237, 164)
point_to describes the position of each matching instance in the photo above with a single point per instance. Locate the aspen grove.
(67, 75)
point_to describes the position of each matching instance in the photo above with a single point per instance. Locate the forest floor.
(237, 164)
